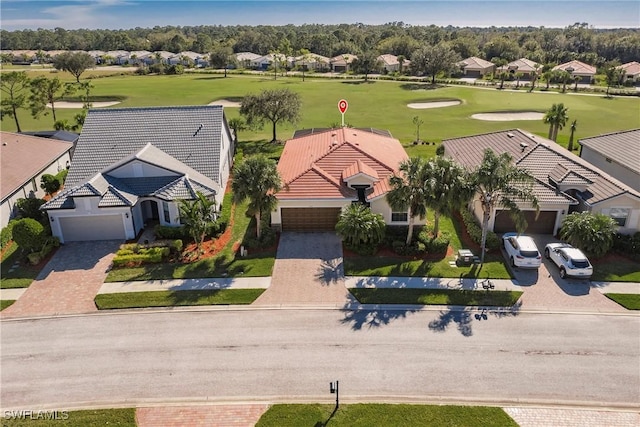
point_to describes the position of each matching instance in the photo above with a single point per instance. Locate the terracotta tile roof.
(544, 159)
(312, 165)
(631, 68)
(24, 157)
(521, 65)
(344, 59)
(576, 67)
(622, 147)
(475, 63)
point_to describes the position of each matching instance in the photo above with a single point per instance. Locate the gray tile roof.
(622, 147)
(183, 188)
(544, 159)
(191, 135)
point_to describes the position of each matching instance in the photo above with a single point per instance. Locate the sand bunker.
(508, 116)
(434, 104)
(226, 103)
(65, 104)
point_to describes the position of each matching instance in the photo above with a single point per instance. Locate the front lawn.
(22, 275)
(176, 298)
(6, 303)
(435, 296)
(628, 301)
(88, 418)
(370, 414)
(619, 270)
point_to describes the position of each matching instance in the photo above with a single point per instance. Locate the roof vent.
(199, 129)
(523, 146)
(510, 135)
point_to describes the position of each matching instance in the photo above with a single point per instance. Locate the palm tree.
(446, 188)
(573, 130)
(593, 233)
(197, 216)
(418, 122)
(556, 117)
(547, 75)
(534, 79)
(576, 80)
(408, 191)
(499, 183)
(257, 179)
(361, 229)
(401, 61)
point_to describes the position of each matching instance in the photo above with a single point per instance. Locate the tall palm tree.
(446, 188)
(497, 182)
(257, 179)
(556, 117)
(408, 191)
(197, 215)
(573, 130)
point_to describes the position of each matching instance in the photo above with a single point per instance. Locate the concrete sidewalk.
(186, 284)
(617, 287)
(12, 294)
(428, 283)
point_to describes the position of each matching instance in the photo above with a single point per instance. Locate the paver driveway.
(308, 271)
(68, 283)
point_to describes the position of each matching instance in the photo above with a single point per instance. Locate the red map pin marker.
(343, 105)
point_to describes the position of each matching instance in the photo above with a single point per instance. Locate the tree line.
(543, 45)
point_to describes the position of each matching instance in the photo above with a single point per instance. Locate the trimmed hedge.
(51, 243)
(166, 232)
(627, 244)
(6, 235)
(475, 231)
(154, 252)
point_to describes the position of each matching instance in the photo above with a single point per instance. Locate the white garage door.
(98, 227)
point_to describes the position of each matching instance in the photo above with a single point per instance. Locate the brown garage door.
(309, 219)
(543, 225)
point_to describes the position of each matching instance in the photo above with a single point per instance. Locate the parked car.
(571, 261)
(521, 251)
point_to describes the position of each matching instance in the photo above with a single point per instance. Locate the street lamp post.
(334, 388)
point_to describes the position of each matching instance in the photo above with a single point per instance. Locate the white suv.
(571, 261)
(521, 251)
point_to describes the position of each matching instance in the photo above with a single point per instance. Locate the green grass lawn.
(380, 104)
(21, 276)
(622, 270)
(176, 298)
(366, 415)
(628, 301)
(6, 303)
(435, 296)
(89, 418)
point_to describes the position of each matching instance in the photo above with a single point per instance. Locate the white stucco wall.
(623, 202)
(616, 170)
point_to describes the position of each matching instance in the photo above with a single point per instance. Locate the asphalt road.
(276, 355)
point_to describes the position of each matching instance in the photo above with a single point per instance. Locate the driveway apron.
(68, 283)
(308, 271)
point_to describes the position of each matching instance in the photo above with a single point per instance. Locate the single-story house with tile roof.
(631, 71)
(313, 62)
(578, 69)
(24, 159)
(323, 170)
(132, 166)
(564, 183)
(342, 63)
(617, 154)
(476, 67)
(391, 64)
(245, 59)
(526, 67)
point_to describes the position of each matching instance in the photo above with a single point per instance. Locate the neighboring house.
(131, 166)
(186, 58)
(97, 55)
(137, 57)
(631, 71)
(118, 57)
(586, 72)
(61, 135)
(564, 183)
(342, 63)
(313, 62)
(391, 64)
(617, 154)
(475, 67)
(24, 159)
(323, 170)
(245, 59)
(524, 66)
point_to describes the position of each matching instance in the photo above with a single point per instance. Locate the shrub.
(6, 235)
(30, 208)
(50, 183)
(144, 255)
(267, 238)
(627, 244)
(29, 234)
(62, 176)
(166, 232)
(475, 231)
(438, 244)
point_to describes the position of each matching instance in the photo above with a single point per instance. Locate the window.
(619, 215)
(399, 217)
(165, 209)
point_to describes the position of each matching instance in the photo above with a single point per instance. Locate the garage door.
(98, 227)
(543, 225)
(473, 73)
(309, 219)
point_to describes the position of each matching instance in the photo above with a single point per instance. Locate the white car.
(571, 261)
(521, 251)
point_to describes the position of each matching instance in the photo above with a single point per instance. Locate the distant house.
(137, 57)
(391, 64)
(187, 58)
(342, 63)
(564, 183)
(117, 57)
(324, 170)
(616, 153)
(96, 55)
(631, 71)
(475, 67)
(131, 167)
(24, 159)
(524, 66)
(586, 72)
(245, 59)
(313, 62)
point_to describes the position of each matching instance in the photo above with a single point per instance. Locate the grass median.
(177, 298)
(436, 297)
(628, 301)
(6, 303)
(96, 417)
(384, 415)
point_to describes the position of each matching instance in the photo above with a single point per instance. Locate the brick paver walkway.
(201, 416)
(68, 283)
(308, 271)
(542, 417)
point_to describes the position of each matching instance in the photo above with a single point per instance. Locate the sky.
(125, 14)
